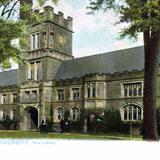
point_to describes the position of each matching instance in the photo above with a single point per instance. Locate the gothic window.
(75, 93)
(91, 90)
(35, 41)
(133, 89)
(60, 94)
(59, 113)
(4, 98)
(4, 114)
(14, 114)
(132, 113)
(75, 113)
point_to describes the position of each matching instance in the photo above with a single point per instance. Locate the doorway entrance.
(31, 117)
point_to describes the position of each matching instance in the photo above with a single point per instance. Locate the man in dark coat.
(62, 125)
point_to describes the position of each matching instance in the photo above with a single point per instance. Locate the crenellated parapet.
(49, 15)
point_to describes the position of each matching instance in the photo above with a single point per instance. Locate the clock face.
(61, 40)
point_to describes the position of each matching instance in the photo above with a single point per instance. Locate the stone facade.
(41, 92)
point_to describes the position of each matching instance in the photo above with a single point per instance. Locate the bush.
(113, 121)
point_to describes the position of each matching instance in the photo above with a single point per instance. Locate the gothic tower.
(50, 43)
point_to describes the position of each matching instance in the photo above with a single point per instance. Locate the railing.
(29, 99)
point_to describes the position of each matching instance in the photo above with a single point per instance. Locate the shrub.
(113, 121)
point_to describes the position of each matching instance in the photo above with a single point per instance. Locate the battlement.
(49, 15)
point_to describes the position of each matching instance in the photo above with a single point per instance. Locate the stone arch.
(31, 118)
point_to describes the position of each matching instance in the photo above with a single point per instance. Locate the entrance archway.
(32, 117)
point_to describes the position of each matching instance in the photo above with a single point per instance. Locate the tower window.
(35, 71)
(35, 41)
(91, 90)
(32, 70)
(39, 72)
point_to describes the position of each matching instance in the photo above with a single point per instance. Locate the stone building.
(53, 82)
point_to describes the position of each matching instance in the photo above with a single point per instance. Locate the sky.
(93, 34)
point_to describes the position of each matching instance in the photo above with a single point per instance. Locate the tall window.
(35, 41)
(91, 90)
(133, 89)
(75, 114)
(14, 114)
(32, 70)
(75, 93)
(59, 113)
(88, 90)
(35, 70)
(4, 98)
(4, 114)
(132, 113)
(60, 94)
(39, 71)
(15, 98)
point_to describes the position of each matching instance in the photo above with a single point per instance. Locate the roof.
(111, 62)
(9, 78)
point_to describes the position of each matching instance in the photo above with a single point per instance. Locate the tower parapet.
(49, 15)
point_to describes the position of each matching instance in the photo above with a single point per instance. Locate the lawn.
(37, 135)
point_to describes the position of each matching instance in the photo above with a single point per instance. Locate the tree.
(12, 28)
(141, 16)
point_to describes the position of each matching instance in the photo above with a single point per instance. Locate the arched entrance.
(31, 118)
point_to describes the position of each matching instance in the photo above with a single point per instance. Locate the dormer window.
(35, 41)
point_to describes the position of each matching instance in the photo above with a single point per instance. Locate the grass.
(37, 135)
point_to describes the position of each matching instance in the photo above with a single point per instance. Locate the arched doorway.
(31, 118)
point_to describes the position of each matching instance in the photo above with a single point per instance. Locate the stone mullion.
(127, 113)
(132, 112)
(137, 110)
